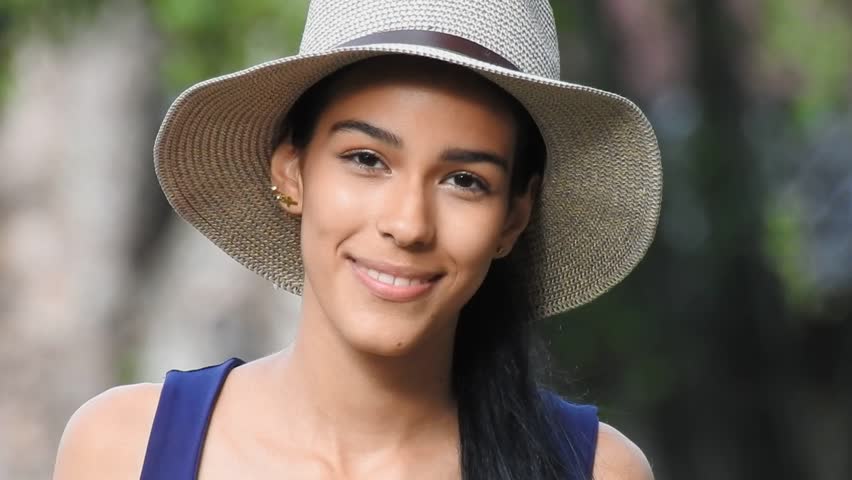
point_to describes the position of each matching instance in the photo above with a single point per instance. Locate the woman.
(420, 176)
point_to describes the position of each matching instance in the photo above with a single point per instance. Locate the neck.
(352, 402)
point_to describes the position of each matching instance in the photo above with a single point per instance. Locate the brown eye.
(365, 160)
(467, 181)
(464, 180)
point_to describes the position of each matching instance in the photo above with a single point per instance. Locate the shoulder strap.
(180, 424)
(578, 430)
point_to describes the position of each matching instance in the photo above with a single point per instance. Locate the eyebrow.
(371, 130)
(457, 155)
(453, 155)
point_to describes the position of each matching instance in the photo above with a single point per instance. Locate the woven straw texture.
(602, 187)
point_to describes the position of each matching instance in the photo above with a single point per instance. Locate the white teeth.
(391, 280)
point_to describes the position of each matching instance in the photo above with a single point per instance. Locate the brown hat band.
(440, 40)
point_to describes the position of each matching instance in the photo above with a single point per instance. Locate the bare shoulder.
(618, 458)
(108, 435)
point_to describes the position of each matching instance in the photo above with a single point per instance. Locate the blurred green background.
(726, 354)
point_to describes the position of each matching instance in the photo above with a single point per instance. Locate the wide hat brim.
(596, 215)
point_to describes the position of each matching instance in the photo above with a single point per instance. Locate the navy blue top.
(188, 398)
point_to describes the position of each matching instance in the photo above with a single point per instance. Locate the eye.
(468, 181)
(365, 160)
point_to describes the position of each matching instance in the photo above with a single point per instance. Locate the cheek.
(331, 212)
(331, 204)
(469, 235)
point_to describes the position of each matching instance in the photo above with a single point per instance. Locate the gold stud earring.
(285, 200)
(499, 250)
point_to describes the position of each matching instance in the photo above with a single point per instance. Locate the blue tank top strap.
(578, 431)
(180, 424)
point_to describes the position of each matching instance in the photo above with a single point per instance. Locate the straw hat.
(602, 186)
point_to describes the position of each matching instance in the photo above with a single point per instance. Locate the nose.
(406, 217)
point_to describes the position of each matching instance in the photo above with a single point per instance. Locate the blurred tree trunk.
(199, 307)
(70, 146)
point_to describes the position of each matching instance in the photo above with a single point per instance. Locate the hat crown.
(521, 31)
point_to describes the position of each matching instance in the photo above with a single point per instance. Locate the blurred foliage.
(205, 39)
(811, 41)
(201, 38)
(783, 243)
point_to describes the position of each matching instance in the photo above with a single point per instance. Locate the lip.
(394, 293)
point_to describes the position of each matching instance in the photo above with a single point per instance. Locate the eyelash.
(480, 186)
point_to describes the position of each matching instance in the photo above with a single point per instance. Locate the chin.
(379, 335)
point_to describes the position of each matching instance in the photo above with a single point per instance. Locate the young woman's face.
(404, 194)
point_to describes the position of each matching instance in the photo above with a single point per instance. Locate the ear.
(285, 171)
(520, 211)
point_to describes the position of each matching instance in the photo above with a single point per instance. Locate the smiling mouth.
(398, 286)
(389, 279)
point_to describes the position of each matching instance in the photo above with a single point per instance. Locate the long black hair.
(508, 429)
